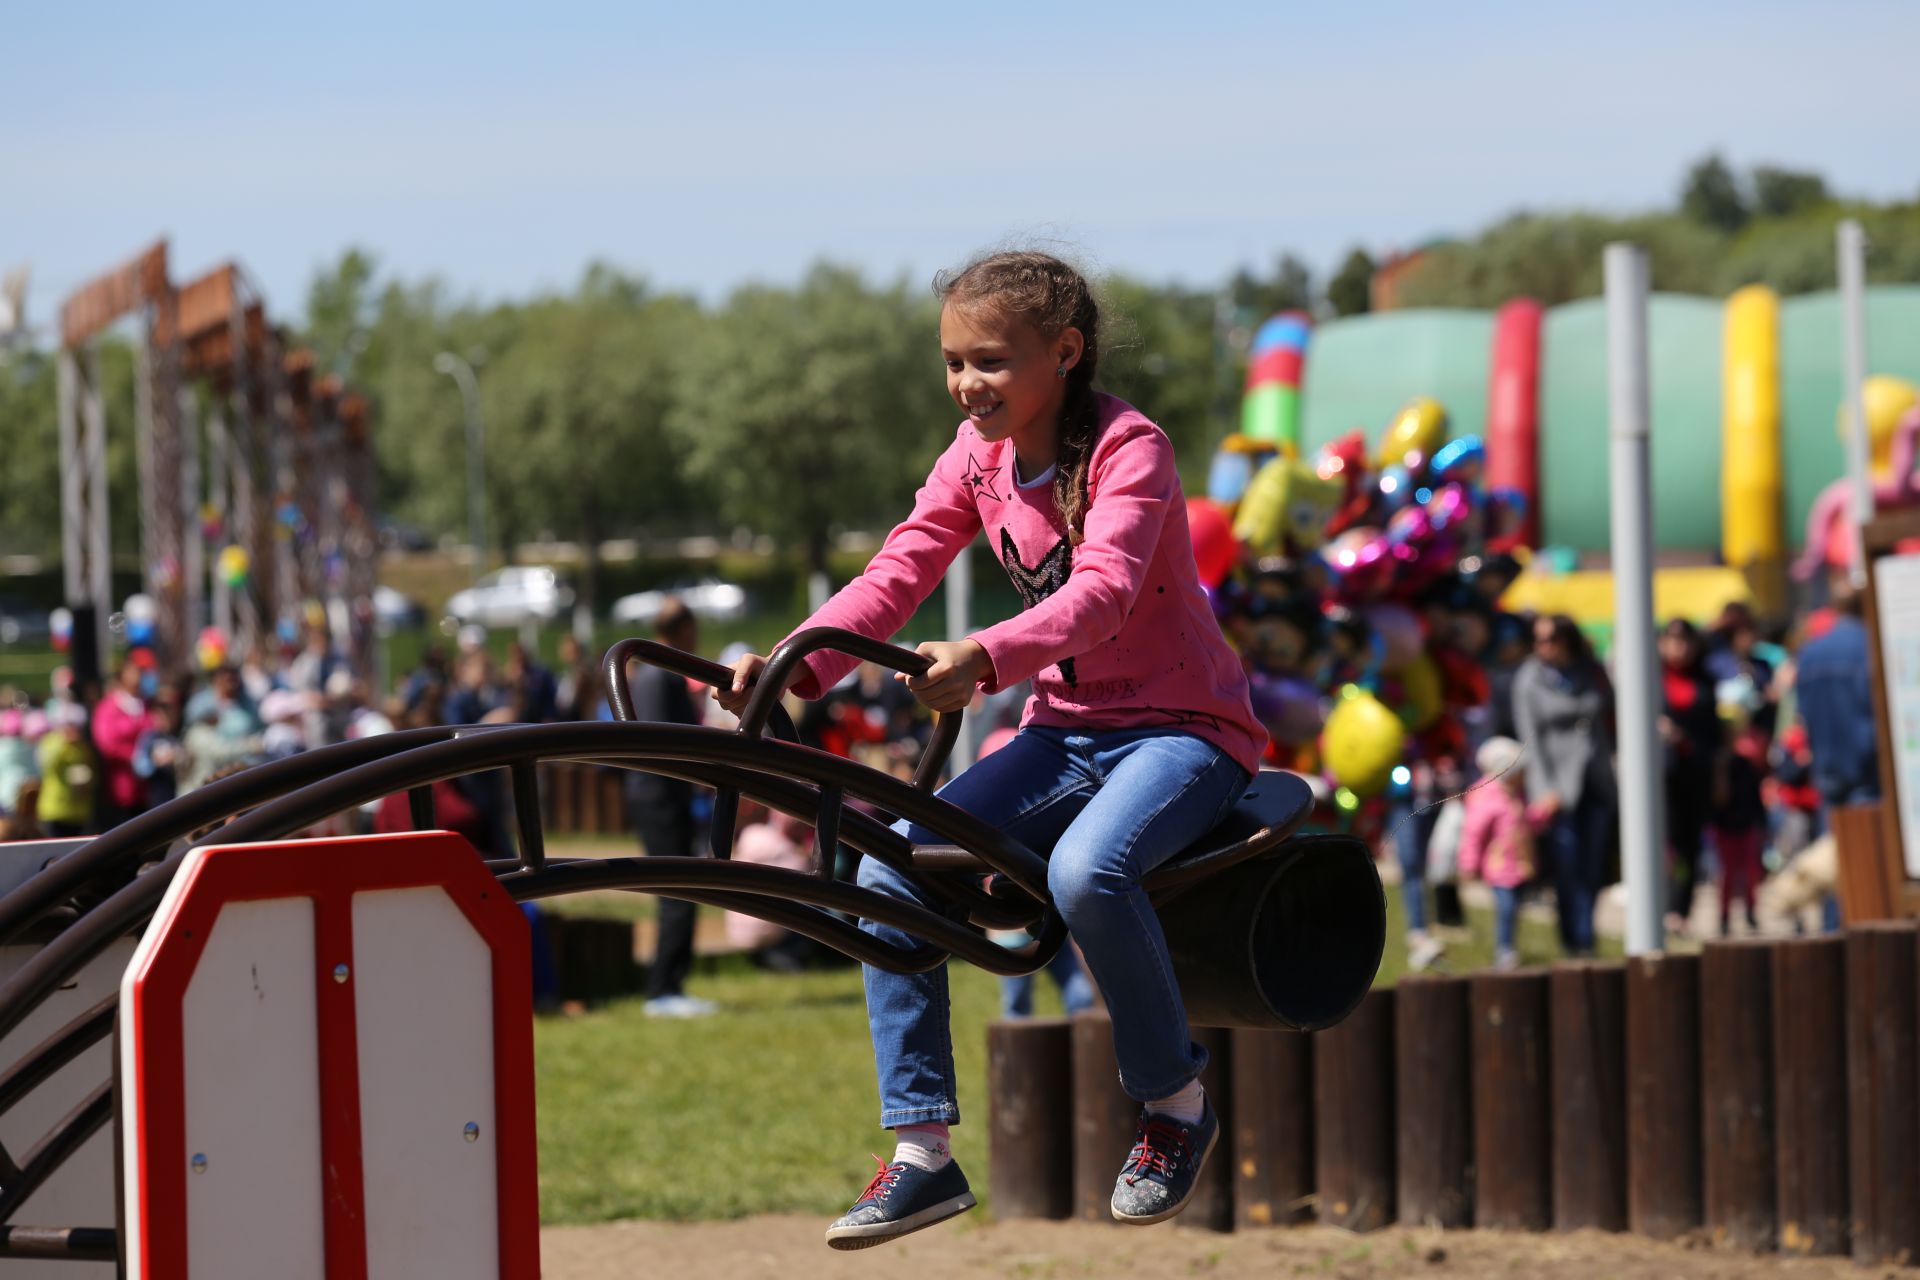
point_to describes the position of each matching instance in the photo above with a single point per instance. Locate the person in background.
(223, 731)
(158, 755)
(1563, 708)
(1740, 813)
(1741, 672)
(1691, 737)
(20, 730)
(66, 774)
(770, 839)
(529, 686)
(577, 690)
(118, 723)
(662, 812)
(1835, 698)
(431, 673)
(226, 704)
(285, 712)
(1496, 844)
(475, 696)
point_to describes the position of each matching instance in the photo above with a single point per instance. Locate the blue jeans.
(1110, 807)
(1506, 906)
(1076, 988)
(1577, 846)
(1410, 835)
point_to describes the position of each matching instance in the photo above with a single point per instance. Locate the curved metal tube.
(681, 663)
(673, 875)
(128, 906)
(53, 1150)
(56, 1051)
(158, 828)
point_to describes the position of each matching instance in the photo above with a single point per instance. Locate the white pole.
(960, 625)
(1851, 243)
(1641, 819)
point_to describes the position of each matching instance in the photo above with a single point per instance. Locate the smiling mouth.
(981, 412)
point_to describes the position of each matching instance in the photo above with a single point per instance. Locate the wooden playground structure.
(248, 520)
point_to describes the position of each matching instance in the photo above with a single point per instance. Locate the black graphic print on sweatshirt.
(1040, 581)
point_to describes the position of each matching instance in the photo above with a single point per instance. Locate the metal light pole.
(462, 372)
(1630, 475)
(1851, 244)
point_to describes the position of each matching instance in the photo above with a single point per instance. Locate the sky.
(503, 148)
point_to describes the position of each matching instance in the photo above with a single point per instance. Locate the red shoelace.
(882, 1181)
(1156, 1149)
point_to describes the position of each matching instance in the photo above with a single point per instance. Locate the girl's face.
(1003, 373)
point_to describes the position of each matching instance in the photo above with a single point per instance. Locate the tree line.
(618, 409)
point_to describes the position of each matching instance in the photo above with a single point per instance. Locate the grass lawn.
(770, 1106)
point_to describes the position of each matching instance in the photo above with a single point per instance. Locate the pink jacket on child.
(1117, 632)
(1496, 844)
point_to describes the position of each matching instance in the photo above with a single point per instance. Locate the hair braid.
(1053, 297)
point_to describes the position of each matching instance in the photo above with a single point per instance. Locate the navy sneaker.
(901, 1199)
(1160, 1173)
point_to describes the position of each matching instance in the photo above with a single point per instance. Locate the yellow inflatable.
(1751, 529)
(1420, 426)
(1887, 401)
(1286, 506)
(1421, 695)
(1362, 742)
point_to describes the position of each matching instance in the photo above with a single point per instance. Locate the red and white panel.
(327, 1063)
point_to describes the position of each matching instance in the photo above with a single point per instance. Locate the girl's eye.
(953, 366)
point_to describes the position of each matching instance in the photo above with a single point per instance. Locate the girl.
(1137, 740)
(1496, 844)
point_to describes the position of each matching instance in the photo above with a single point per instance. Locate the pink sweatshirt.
(1117, 632)
(1496, 844)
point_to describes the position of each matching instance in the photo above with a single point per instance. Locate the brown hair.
(1052, 297)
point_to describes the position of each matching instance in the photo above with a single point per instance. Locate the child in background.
(1496, 842)
(1138, 739)
(66, 773)
(1740, 813)
(17, 763)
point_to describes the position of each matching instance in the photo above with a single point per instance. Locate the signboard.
(1896, 586)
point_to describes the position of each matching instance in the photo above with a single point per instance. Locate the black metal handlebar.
(763, 708)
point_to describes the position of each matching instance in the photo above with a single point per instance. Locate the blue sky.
(702, 145)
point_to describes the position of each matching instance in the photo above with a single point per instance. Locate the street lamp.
(462, 373)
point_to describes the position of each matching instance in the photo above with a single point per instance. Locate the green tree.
(1781, 193)
(30, 443)
(1289, 288)
(1712, 197)
(812, 409)
(1350, 292)
(1158, 354)
(1556, 258)
(340, 304)
(578, 408)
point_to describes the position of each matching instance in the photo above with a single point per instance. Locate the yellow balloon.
(1362, 743)
(1420, 425)
(1887, 401)
(1422, 694)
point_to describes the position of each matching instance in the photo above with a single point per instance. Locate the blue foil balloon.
(1455, 454)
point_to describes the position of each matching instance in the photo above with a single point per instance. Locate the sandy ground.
(792, 1247)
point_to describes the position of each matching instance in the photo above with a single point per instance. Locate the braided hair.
(1051, 296)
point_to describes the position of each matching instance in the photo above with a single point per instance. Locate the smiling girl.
(1138, 738)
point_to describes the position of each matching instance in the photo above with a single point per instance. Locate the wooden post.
(1433, 1081)
(1883, 1091)
(1353, 1116)
(1587, 1016)
(1272, 1127)
(1663, 1095)
(1810, 1094)
(1736, 1074)
(1030, 1117)
(1212, 1203)
(1513, 1170)
(1103, 1117)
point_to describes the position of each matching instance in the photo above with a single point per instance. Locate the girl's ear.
(1069, 347)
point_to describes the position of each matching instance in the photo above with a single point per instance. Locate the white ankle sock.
(1186, 1106)
(924, 1146)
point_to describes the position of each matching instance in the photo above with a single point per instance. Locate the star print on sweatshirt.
(1116, 633)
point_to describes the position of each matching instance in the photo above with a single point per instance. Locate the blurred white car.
(396, 611)
(710, 599)
(513, 595)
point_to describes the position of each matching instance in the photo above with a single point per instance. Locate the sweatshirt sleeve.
(1131, 482)
(903, 573)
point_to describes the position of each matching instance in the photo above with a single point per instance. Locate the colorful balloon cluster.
(1340, 578)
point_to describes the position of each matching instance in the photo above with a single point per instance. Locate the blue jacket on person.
(1835, 697)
